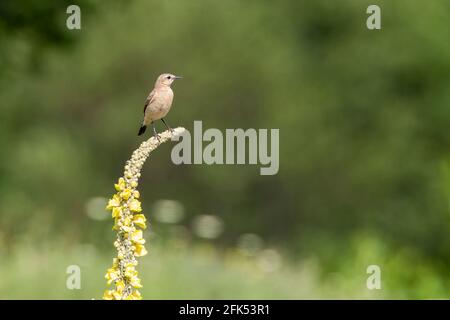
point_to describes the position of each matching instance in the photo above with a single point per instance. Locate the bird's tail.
(142, 130)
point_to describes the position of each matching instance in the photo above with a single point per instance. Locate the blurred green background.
(364, 147)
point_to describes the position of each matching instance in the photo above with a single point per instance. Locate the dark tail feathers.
(142, 130)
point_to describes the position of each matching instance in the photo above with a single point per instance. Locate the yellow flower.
(126, 221)
(140, 250)
(114, 202)
(125, 194)
(116, 223)
(116, 212)
(120, 285)
(135, 205)
(108, 295)
(134, 184)
(136, 237)
(136, 295)
(136, 282)
(136, 194)
(130, 271)
(127, 229)
(120, 185)
(111, 275)
(117, 295)
(131, 274)
(139, 220)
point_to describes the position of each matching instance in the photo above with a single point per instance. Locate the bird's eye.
(168, 77)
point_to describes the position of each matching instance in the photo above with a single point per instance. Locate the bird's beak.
(178, 77)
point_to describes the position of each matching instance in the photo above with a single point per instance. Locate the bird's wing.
(150, 99)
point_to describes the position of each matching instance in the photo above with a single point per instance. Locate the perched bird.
(158, 102)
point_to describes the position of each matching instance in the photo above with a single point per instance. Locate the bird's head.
(166, 79)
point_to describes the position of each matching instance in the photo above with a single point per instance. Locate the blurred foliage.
(363, 118)
(29, 27)
(179, 270)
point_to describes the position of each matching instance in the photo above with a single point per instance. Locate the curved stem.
(128, 222)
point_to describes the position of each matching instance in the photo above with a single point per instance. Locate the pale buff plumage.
(158, 102)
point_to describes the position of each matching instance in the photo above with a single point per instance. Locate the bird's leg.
(155, 134)
(167, 126)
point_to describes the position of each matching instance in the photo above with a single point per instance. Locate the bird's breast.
(160, 106)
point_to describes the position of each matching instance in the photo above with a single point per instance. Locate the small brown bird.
(158, 102)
